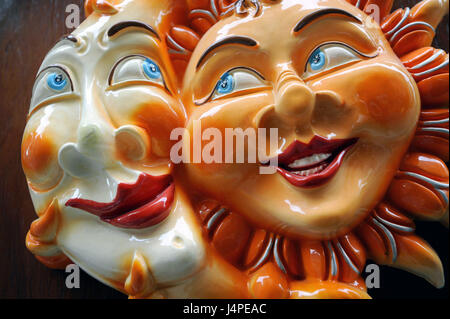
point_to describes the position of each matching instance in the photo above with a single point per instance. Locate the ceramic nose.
(293, 100)
(96, 141)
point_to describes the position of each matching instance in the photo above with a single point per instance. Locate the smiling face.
(96, 146)
(323, 74)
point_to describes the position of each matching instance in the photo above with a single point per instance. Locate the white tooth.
(311, 171)
(310, 160)
(317, 157)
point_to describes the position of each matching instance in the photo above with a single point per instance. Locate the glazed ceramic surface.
(355, 107)
(91, 160)
(361, 114)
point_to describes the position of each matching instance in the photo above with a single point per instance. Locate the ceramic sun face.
(96, 152)
(346, 104)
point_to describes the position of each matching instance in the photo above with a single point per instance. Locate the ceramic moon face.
(359, 109)
(96, 152)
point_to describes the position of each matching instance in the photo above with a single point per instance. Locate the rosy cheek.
(36, 152)
(39, 161)
(386, 97)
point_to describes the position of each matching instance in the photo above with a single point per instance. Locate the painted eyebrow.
(230, 40)
(128, 24)
(70, 38)
(320, 13)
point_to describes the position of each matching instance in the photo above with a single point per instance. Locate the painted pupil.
(56, 81)
(59, 78)
(317, 60)
(151, 69)
(226, 84)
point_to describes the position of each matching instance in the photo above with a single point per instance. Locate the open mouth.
(145, 203)
(315, 163)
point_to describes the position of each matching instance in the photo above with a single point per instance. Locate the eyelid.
(312, 76)
(345, 45)
(60, 67)
(50, 100)
(208, 97)
(55, 97)
(113, 70)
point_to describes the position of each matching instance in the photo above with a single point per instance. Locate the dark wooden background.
(28, 29)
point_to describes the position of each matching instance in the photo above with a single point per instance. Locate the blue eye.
(225, 84)
(57, 81)
(317, 60)
(151, 69)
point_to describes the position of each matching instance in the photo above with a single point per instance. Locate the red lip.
(142, 204)
(325, 170)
